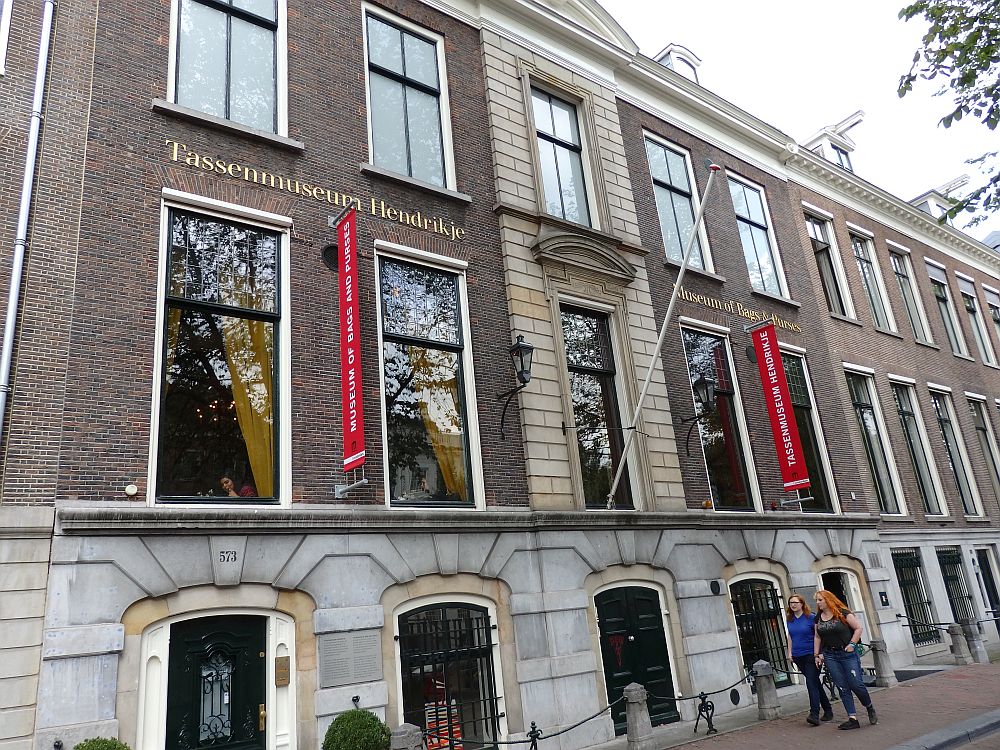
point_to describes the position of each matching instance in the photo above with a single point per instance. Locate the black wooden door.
(215, 684)
(634, 649)
(990, 584)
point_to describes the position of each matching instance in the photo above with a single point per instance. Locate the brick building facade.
(516, 170)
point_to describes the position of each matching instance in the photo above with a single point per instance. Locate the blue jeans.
(817, 695)
(845, 671)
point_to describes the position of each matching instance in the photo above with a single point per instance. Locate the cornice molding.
(559, 246)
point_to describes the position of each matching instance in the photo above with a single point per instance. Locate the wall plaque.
(346, 658)
(282, 671)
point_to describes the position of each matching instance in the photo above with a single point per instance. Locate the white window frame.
(925, 445)
(590, 176)
(963, 453)
(741, 419)
(5, 15)
(904, 254)
(280, 67)
(817, 425)
(498, 672)
(991, 437)
(458, 267)
(272, 222)
(897, 486)
(836, 260)
(771, 237)
(979, 323)
(880, 287)
(695, 198)
(625, 408)
(444, 103)
(151, 718)
(963, 346)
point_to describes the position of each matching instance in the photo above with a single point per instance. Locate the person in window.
(801, 631)
(229, 488)
(838, 633)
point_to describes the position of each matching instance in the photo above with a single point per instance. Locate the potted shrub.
(357, 730)
(101, 743)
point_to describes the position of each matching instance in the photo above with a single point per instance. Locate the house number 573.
(227, 555)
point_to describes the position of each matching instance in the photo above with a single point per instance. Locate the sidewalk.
(934, 704)
(955, 703)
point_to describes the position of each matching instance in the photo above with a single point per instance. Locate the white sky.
(801, 65)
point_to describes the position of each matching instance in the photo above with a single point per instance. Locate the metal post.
(768, 707)
(631, 429)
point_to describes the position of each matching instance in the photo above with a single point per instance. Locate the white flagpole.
(630, 431)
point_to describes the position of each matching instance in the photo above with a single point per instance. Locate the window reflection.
(721, 438)
(751, 220)
(802, 406)
(217, 411)
(587, 338)
(560, 150)
(427, 438)
(227, 60)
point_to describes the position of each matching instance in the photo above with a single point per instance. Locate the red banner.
(350, 351)
(779, 408)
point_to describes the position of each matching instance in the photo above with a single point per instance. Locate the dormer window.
(842, 156)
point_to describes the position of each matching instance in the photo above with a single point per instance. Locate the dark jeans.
(845, 671)
(817, 695)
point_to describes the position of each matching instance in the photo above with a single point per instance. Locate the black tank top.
(833, 634)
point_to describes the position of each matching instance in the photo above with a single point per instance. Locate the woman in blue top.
(801, 629)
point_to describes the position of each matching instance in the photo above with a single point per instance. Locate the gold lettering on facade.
(179, 152)
(733, 307)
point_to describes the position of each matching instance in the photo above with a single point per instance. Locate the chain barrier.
(936, 625)
(706, 707)
(533, 736)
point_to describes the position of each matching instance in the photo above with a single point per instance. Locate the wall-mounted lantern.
(520, 357)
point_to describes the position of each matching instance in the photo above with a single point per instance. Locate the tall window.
(4, 31)
(819, 234)
(976, 323)
(560, 149)
(957, 459)
(751, 218)
(448, 676)
(950, 560)
(993, 306)
(987, 442)
(919, 450)
(427, 441)
(906, 561)
(217, 417)
(591, 363)
(807, 421)
(404, 102)
(871, 281)
(939, 285)
(674, 201)
(911, 296)
(227, 60)
(722, 439)
(875, 442)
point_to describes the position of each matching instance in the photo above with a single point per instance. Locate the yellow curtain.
(249, 346)
(173, 313)
(440, 409)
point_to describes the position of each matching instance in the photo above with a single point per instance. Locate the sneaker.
(872, 716)
(812, 720)
(827, 716)
(850, 724)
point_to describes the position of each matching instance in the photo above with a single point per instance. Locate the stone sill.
(123, 518)
(402, 179)
(845, 319)
(228, 126)
(700, 272)
(776, 298)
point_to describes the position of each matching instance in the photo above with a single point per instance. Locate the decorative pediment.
(595, 19)
(565, 247)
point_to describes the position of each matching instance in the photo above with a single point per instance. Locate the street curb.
(955, 735)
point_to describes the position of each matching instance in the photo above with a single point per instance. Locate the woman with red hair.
(838, 632)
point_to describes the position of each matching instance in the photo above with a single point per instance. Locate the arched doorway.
(447, 675)
(760, 625)
(634, 649)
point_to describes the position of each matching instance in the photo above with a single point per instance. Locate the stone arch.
(462, 587)
(205, 600)
(853, 566)
(663, 582)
